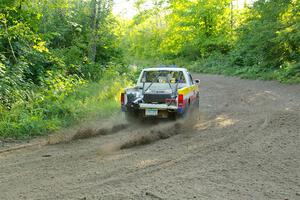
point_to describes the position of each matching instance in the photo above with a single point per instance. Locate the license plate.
(151, 112)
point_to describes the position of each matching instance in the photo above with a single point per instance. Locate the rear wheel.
(129, 117)
(173, 116)
(134, 116)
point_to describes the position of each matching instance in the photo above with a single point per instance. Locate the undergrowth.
(288, 73)
(63, 105)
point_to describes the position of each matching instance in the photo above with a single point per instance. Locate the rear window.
(163, 77)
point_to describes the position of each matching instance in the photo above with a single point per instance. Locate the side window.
(179, 77)
(191, 79)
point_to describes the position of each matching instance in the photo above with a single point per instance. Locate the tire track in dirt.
(69, 135)
(85, 133)
(243, 145)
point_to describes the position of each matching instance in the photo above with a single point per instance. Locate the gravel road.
(243, 144)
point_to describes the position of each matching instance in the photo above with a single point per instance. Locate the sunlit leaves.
(270, 37)
(189, 27)
(40, 46)
(2, 70)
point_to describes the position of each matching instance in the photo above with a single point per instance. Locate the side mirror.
(197, 81)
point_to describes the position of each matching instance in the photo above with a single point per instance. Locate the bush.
(226, 64)
(63, 102)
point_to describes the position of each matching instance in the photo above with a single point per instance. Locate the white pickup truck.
(164, 92)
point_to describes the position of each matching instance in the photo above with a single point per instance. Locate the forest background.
(64, 61)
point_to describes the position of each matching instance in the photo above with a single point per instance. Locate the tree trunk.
(94, 29)
(100, 10)
(9, 41)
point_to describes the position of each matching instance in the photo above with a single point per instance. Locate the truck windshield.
(163, 77)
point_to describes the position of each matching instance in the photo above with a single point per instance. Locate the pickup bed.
(161, 93)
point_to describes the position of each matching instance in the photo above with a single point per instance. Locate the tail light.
(180, 100)
(122, 98)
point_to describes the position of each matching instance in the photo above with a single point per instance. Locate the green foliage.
(41, 36)
(62, 60)
(47, 80)
(263, 38)
(184, 28)
(222, 64)
(254, 41)
(62, 103)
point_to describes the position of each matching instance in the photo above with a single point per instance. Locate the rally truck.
(161, 92)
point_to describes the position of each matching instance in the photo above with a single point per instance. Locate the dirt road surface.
(243, 144)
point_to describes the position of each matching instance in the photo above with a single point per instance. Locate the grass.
(40, 117)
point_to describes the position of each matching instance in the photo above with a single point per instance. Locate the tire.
(134, 116)
(184, 113)
(173, 116)
(130, 117)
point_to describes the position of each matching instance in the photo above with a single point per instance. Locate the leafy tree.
(39, 36)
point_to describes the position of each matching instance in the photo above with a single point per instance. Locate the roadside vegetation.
(60, 63)
(63, 104)
(232, 37)
(63, 61)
